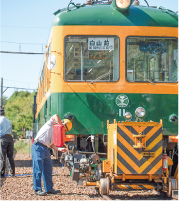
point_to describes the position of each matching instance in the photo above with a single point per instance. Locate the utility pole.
(1, 92)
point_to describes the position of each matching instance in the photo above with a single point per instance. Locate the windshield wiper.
(144, 77)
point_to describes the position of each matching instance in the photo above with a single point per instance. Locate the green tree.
(19, 111)
(4, 100)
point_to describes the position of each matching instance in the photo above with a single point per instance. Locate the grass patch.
(22, 147)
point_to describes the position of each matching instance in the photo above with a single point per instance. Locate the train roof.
(107, 15)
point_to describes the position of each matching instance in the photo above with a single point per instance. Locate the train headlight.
(128, 115)
(140, 112)
(123, 4)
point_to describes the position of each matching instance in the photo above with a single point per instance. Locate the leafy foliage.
(4, 100)
(23, 147)
(19, 110)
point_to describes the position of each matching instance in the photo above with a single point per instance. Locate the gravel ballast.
(21, 187)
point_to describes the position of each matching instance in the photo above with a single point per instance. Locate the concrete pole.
(1, 92)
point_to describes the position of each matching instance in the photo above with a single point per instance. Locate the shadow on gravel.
(56, 163)
(28, 163)
(23, 163)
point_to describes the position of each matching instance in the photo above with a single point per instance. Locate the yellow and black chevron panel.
(117, 187)
(139, 148)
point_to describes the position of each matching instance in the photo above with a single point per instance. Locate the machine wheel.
(104, 186)
(172, 185)
(169, 191)
(98, 172)
(75, 174)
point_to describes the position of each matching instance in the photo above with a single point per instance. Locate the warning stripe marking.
(131, 161)
(125, 132)
(134, 186)
(150, 160)
(126, 164)
(151, 137)
(123, 168)
(153, 165)
(156, 167)
(127, 158)
(136, 129)
(154, 143)
(126, 147)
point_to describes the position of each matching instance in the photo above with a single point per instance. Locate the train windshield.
(152, 59)
(92, 58)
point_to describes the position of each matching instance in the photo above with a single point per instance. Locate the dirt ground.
(20, 187)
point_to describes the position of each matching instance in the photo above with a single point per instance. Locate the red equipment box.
(58, 135)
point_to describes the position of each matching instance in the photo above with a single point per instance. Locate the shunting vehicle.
(112, 67)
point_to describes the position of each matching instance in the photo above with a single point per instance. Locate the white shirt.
(45, 134)
(5, 126)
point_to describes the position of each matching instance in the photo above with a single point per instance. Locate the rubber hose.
(93, 147)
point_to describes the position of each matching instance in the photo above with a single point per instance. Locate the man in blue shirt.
(6, 144)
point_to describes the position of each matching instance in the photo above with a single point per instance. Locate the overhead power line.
(19, 81)
(17, 88)
(24, 27)
(22, 43)
(41, 44)
(7, 52)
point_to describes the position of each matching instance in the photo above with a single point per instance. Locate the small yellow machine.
(135, 159)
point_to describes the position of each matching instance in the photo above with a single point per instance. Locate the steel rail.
(106, 197)
(175, 197)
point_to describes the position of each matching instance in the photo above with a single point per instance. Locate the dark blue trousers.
(42, 167)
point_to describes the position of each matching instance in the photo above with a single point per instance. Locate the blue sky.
(25, 26)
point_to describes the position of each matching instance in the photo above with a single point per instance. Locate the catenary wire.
(4, 26)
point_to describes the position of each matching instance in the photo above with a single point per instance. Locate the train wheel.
(104, 186)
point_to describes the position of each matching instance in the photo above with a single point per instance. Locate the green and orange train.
(113, 61)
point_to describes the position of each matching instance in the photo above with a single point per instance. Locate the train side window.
(92, 58)
(152, 59)
(45, 110)
(48, 57)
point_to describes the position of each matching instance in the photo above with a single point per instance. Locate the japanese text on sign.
(100, 43)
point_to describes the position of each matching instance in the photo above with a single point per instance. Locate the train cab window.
(92, 58)
(152, 59)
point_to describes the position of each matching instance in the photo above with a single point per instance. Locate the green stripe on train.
(92, 110)
(106, 15)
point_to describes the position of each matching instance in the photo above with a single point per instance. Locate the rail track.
(108, 198)
(105, 197)
(136, 195)
(175, 197)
